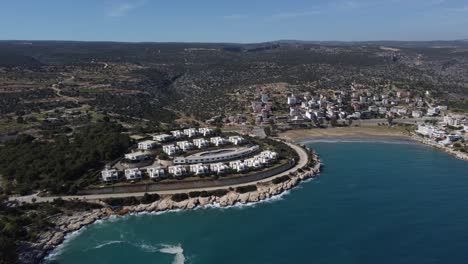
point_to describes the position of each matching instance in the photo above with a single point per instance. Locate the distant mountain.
(14, 60)
(463, 43)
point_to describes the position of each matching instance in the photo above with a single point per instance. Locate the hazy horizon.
(242, 21)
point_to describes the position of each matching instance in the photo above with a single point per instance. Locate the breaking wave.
(109, 243)
(177, 251)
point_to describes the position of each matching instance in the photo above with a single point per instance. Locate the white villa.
(205, 131)
(171, 149)
(136, 156)
(177, 133)
(199, 169)
(238, 165)
(147, 144)
(236, 140)
(133, 174)
(253, 163)
(269, 154)
(109, 175)
(162, 137)
(218, 141)
(219, 168)
(191, 132)
(185, 145)
(155, 172)
(201, 143)
(177, 170)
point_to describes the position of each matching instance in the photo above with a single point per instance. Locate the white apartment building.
(177, 134)
(109, 175)
(453, 120)
(236, 140)
(147, 144)
(155, 172)
(163, 137)
(253, 163)
(205, 131)
(199, 169)
(171, 150)
(219, 168)
(177, 170)
(269, 154)
(191, 132)
(136, 156)
(292, 100)
(201, 143)
(185, 145)
(218, 141)
(238, 166)
(133, 174)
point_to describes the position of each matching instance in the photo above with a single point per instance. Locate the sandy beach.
(345, 133)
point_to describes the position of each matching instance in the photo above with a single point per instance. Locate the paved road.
(303, 158)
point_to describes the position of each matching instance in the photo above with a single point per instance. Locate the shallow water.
(374, 203)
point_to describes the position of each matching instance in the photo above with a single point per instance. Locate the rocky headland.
(66, 224)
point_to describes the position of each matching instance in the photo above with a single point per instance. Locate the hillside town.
(340, 107)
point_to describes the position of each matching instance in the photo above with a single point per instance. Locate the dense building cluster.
(217, 159)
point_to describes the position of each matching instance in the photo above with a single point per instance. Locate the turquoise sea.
(373, 203)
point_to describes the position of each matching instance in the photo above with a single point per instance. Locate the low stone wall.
(162, 186)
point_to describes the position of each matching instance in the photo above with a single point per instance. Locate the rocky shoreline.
(457, 154)
(65, 224)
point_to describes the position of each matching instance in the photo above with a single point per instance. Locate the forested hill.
(60, 165)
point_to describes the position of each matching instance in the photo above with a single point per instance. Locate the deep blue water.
(373, 203)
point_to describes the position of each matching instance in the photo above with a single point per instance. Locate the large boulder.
(254, 197)
(165, 204)
(224, 201)
(182, 204)
(243, 198)
(153, 206)
(232, 198)
(192, 203)
(204, 201)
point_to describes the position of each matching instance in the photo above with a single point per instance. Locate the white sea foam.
(67, 239)
(177, 251)
(109, 243)
(168, 249)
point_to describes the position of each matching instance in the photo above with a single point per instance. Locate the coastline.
(364, 134)
(65, 225)
(456, 154)
(342, 133)
(266, 190)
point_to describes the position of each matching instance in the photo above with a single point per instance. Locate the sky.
(243, 21)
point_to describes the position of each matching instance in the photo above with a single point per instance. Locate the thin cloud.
(234, 16)
(462, 9)
(123, 9)
(346, 5)
(286, 15)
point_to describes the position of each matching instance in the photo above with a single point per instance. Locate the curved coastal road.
(303, 159)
